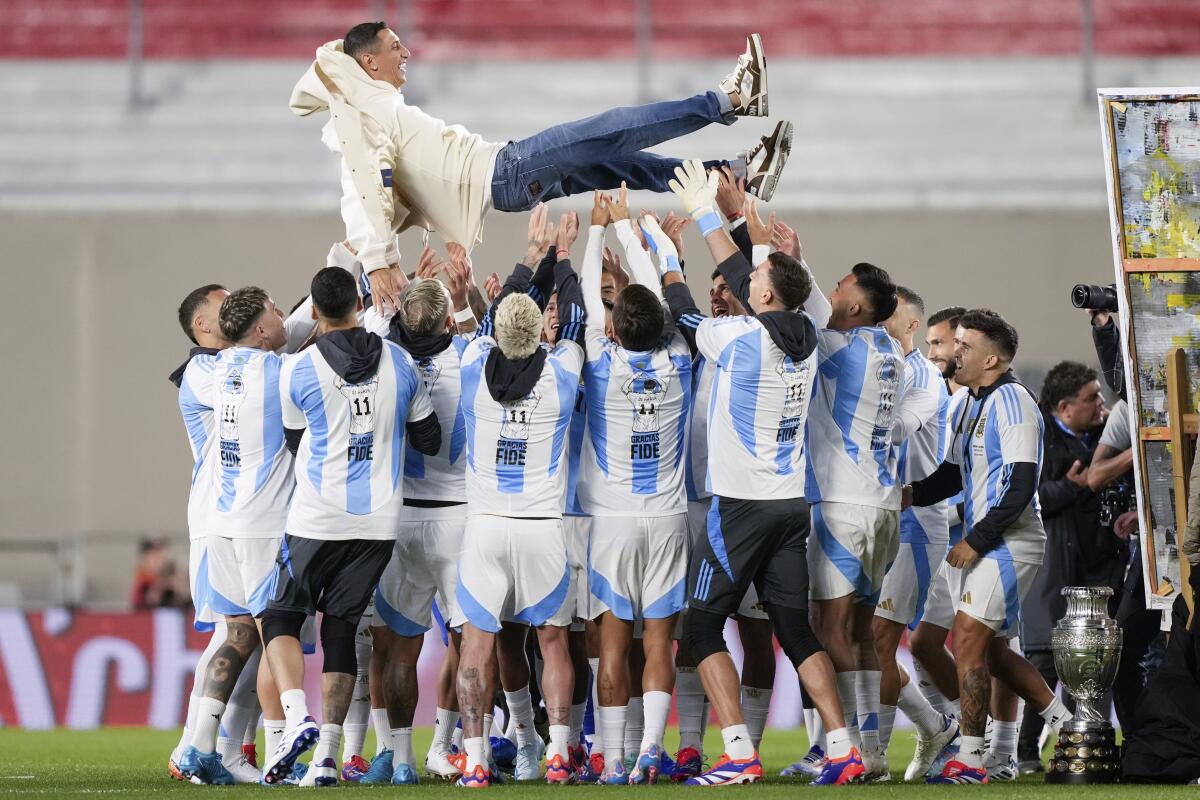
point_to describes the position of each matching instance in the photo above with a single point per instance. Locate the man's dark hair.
(716, 273)
(879, 289)
(912, 298)
(993, 327)
(1063, 381)
(187, 309)
(789, 280)
(362, 38)
(334, 293)
(240, 310)
(950, 315)
(637, 318)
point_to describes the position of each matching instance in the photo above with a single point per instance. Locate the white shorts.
(850, 549)
(424, 565)
(907, 583)
(637, 566)
(939, 605)
(198, 582)
(991, 592)
(576, 533)
(513, 570)
(241, 574)
(698, 510)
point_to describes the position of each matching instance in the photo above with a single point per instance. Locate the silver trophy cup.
(1087, 651)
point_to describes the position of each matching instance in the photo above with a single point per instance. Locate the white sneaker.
(1002, 770)
(765, 161)
(527, 766)
(243, 771)
(749, 80)
(309, 780)
(295, 742)
(876, 765)
(438, 766)
(929, 749)
(811, 765)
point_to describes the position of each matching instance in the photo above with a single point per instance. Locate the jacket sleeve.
(1107, 339)
(572, 314)
(740, 233)
(518, 281)
(945, 482)
(736, 270)
(1057, 494)
(425, 434)
(687, 316)
(542, 284)
(988, 533)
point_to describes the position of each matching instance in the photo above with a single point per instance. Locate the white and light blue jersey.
(575, 434)
(243, 486)
(756, 410)
(638, 402)
(696, 477)
(850, 455)
(351, 458)
(987, 438)
(515, 464)
(195, 404)
(924, 449)
(440, 477)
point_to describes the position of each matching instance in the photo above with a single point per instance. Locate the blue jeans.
(601, 151)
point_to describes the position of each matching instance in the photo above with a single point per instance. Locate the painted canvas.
(1157, 145)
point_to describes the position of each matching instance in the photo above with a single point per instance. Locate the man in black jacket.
(1074, 412)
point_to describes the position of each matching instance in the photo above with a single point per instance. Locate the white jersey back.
(243, 487)
(924, 450)
(696, 477)
(987, 438)
(515, 465)
(442, 476)
(196, 407)
(756, 411)
(859, 382)
(637, 415)
(351, 457)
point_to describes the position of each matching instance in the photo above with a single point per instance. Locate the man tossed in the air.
(402, 167)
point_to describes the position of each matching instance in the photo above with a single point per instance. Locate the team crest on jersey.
(980, 426)
(430, 371)
(517, 416)
(645, 393)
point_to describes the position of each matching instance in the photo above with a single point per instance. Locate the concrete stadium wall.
(93, 439)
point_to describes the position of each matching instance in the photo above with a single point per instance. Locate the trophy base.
(1085, 754)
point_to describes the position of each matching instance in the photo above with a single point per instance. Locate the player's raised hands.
(619, 209)
(492, 287)
(785, 240)
(600, 208)
(760, 233)
(696, 188)
(386, 286)
(540, 235)
(673, 227)
(459, 273)
(568, 231)
(429, 264)
(731, 192)
(611, 263)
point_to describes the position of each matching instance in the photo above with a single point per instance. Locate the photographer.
(1078, 551)
(1101, 303)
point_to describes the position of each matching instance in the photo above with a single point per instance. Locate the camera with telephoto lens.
(1095, 298)
(1115, 500)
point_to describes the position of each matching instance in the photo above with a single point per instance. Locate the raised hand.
(785, 240)
(429, 264)
(540, 235)
(600, 208)
(731, 192)
(697, 189)
(673, 227)
(492, 287)
(386, 286)
(759, 233)
(568, 231)
(660, 243)
(619, 209)
(459, 274)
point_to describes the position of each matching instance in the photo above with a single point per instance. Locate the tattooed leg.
(971, 641)
(241, 639)
(558, 675)
(400, 680)
(476, 679)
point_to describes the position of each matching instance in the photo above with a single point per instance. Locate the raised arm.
(572, 314)
(593, 257)
(540, 236)
(640, 263)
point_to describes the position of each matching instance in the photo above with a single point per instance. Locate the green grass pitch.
(127, 762)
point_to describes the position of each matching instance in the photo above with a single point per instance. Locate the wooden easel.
(1179, 409)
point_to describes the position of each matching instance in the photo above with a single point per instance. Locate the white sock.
(1004, 739)
(816, 734)
(383, 730)
(656, 707)
(328, 744)
(846, 694)
(612, 721)
(443, 730)
(520, 711)
(208, 723)
(838, 743)
(273, 731)
(927, 687)
(403, 752)
(578, 712)
(295, 706)
(475, 754)
(887, 721)
(189, 725)
(243, 701)
(489, 721)
(251, 735)
(230, 749)
(558, 741)
(972, 751)
(214, 644)
(737, 742)
(456, 739)
(1055, 714)
(866, 697)
(925, 718)
(635, 724)
(756, 704)
(354, 739)
(689, 706)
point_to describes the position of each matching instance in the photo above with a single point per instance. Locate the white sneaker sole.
(758, 107)
(773, 166)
